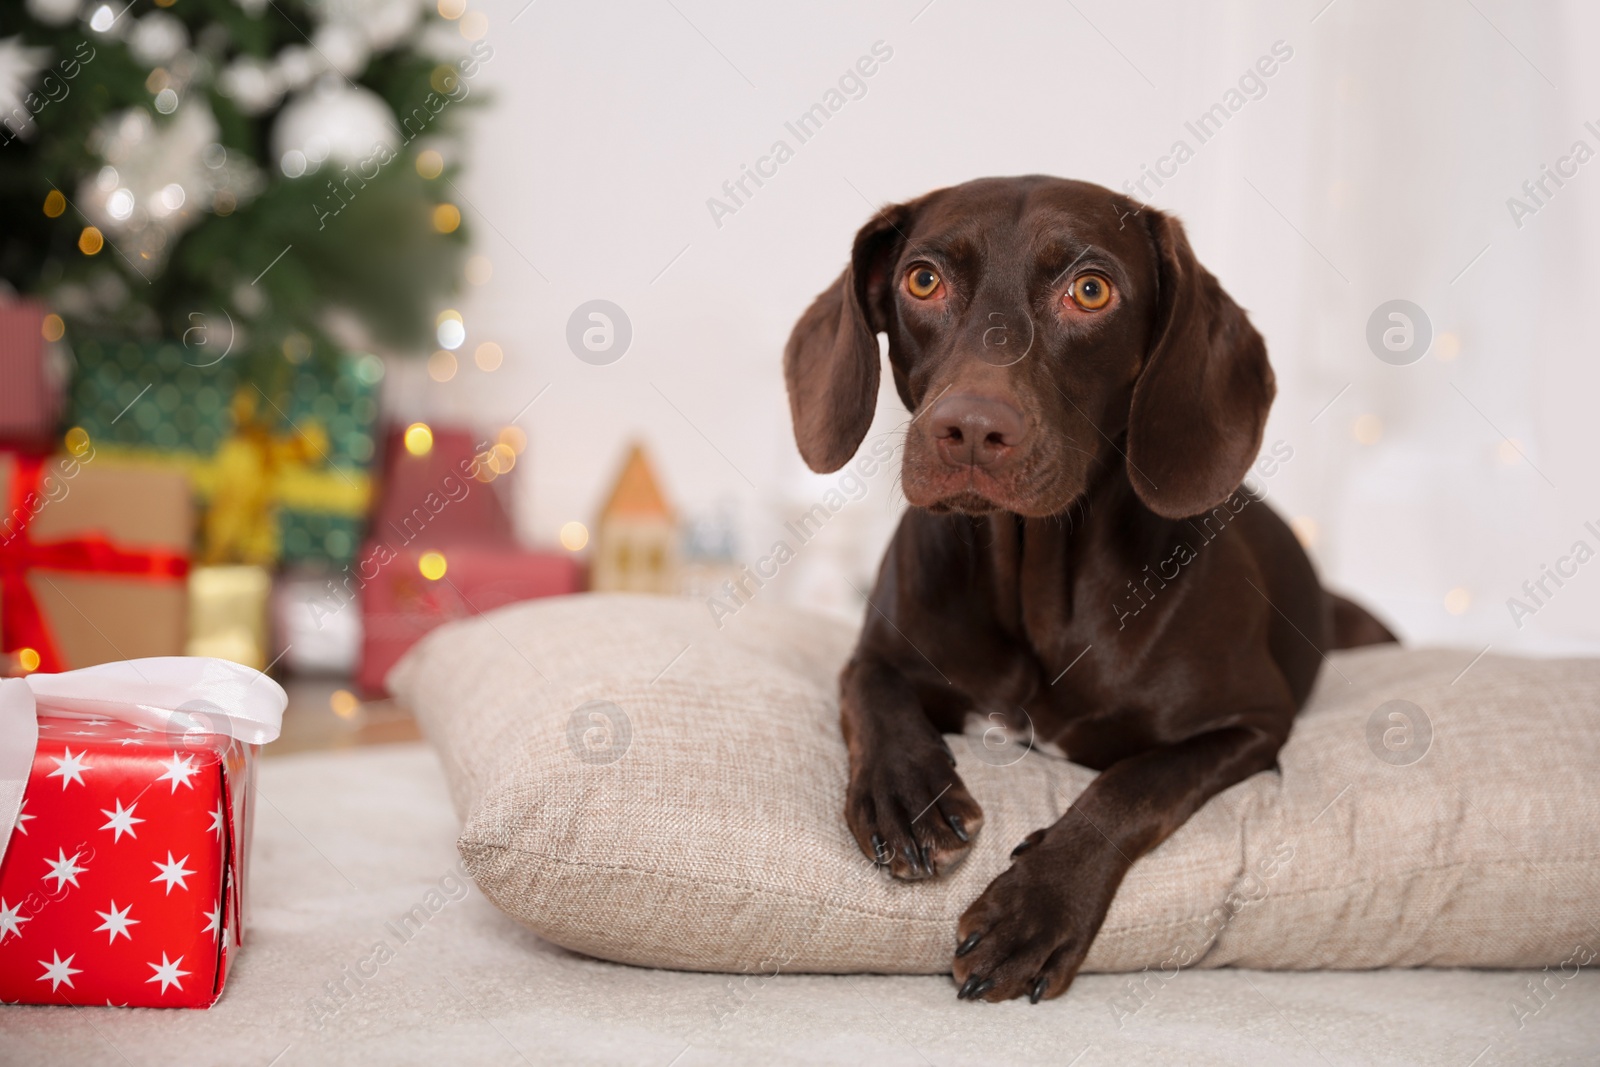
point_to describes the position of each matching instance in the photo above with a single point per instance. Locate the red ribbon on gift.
(22, 623)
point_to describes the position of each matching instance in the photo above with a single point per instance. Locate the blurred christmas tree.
(260, 175)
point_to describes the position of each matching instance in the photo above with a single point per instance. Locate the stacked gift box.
(155, 504)
(176, 489)
(194, 508)
(441, 545)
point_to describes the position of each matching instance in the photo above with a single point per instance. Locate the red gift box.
(30, 390)
(124, 879)
(447, 494)
(400, 605)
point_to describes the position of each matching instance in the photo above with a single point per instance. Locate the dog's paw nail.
(1039, 986)
(879, 852)
(912, 860)
(1027, 843)
(958, 827)
(969, 987)
(981, 990)
(927, 859)
(969, 944)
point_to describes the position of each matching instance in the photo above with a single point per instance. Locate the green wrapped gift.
(281, 469)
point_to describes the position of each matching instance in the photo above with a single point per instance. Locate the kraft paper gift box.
(93, 561)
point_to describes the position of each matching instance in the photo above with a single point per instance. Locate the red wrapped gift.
(436, 488)
(30, 387)
(123, 881)
(409, 594)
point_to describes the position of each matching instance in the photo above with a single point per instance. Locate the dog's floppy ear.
(1201, 402)
(831, 360)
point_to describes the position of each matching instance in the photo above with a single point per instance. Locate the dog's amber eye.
(922, 281)
(1091, 292)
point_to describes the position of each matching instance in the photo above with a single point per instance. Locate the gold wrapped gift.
(228, 613)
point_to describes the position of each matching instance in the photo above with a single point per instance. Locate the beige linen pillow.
(642, 786)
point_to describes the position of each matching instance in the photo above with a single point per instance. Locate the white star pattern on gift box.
(61, 970)
(172, 873)
(116, 922)
(65, 870)
(167, 973)
(129, 741)
(179, 771)
(78, 924)
(121, 820)
(10, 921)
(70, 768)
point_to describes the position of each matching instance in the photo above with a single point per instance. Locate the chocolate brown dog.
(1086, 402)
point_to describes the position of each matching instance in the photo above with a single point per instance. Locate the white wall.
(1377, 165)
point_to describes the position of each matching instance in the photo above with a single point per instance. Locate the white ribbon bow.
(172, 694)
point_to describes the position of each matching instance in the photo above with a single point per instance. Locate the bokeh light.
(1446, 347)
(446, 218)
(344, 703)
(442, 365)
(513, 438)
(574, 535)
(488, 356)
(419, 439)
(1367, 429)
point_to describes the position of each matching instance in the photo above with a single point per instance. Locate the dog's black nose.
(975, 431)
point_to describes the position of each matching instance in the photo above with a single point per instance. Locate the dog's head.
(1039, 330)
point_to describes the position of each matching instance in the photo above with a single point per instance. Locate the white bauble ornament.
(158, 179)
(19, 65)
(297, 65)
(252, 84)
(343, 46)
(55, 12)
(333, 120)
(156, 38)
(383, 23)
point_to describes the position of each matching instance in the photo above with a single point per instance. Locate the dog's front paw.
(910, 812)
(1029, 931)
